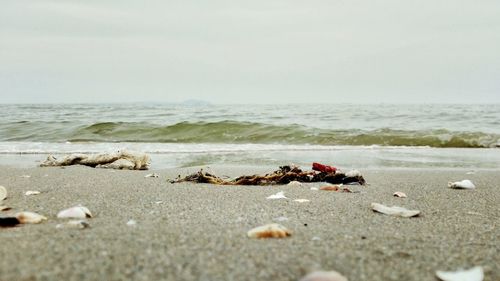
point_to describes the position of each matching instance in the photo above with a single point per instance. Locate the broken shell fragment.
(394, 211)
(473, 274)
(78, 212)
(279, 195)
(302, 200)
(399, 194)
(324, 276)
(153, 175)
(132, 223)
(465, 184)
(30, 217)
(3, 193)
(295, 183)
(272, 230)
(5, 208)
(330, 188)
(32, 192)
(78, 224)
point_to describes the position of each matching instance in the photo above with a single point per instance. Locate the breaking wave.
(235, 132)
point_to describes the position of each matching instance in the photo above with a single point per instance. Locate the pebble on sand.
(324, 276)
(272, 230)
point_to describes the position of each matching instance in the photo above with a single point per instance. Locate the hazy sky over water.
(250, 51)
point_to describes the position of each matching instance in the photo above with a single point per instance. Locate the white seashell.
(5, 208)
(78, 212)
(32, 192)
(465, 184)
(473, 274)
(3, 193)
(30, 217)
(399, 194)
(279, 195)
(25, 176)
(314, 188)
(131, 223)
(295, 183)
(353, 174)
(394, 211)
(272, 230)
(79, 224)
(280, 219)
(316, 238)
(324, 276)
(302, 200)
(153, 175)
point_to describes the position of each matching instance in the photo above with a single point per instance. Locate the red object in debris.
(324, 168)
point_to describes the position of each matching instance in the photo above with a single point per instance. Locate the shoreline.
(191, 231)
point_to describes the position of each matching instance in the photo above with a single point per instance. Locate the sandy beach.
(198, 232)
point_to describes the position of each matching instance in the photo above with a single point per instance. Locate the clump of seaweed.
(284, 175)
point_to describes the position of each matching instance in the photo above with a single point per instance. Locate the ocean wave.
(236, 132)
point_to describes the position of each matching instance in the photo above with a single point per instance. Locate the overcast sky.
(250, 51)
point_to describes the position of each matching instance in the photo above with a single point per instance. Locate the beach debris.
(131, 223)
(5, 208)
(295, 183)
(32, 192)
(282, 218)
(316, 238)
(302, 200)
(399, 194)
(314, 188)
(330, 188)
(394, 210)
(473, 274)
(78, 224)
(78, 212)
(323, 168)
(465, 184)
(119, 160)
(279, 195)
(324, 276)
(272, 230)
(3, 193)
(29, 217)
(284, 175)
(153, 175)
(353, 174)
(25, 176)
(9, 221)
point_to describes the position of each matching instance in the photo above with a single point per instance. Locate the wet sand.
(198, 232)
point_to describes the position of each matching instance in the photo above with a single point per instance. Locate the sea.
(348, 136)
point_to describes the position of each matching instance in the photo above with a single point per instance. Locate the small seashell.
(30, 217)
(153, 175)
(79, 224)
(32, 192)
(280, 219)
(5, 208)
(78, 212)
(353, 174)
(279, 195)
(316, 238)
(324, 276)
(473, 274)
(394, 211)
(465, 184)
(131, 223)
(302, 200)
(3, 193)
(314, 188)
(399, 194)
(295, 183)
(25, 176)
(272, 230)
(330, 188)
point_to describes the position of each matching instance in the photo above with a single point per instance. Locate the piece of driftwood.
(284, 175)
(119, 160)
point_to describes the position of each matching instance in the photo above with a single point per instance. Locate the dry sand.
(198, 232)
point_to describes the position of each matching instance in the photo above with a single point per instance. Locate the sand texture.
(199, 232)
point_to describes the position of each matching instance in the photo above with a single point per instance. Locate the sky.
(258, 51)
